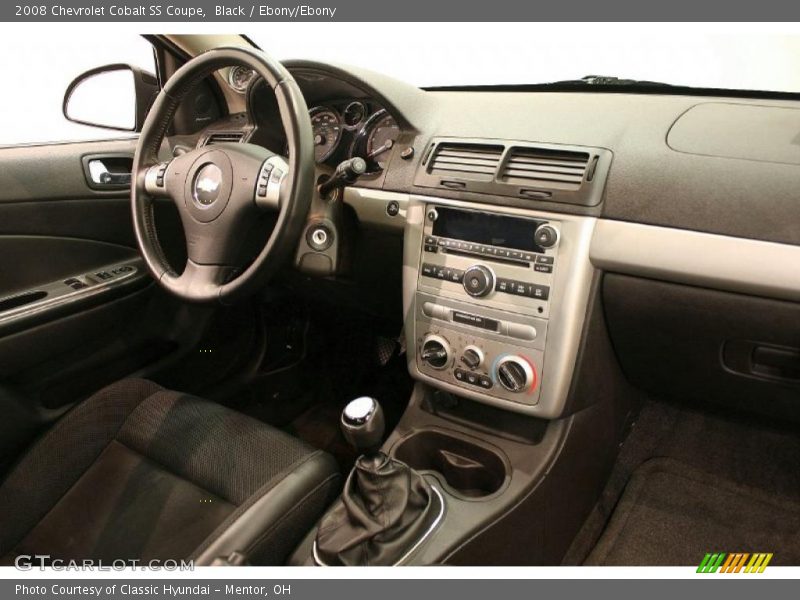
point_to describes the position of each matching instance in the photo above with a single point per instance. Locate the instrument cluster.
(353, 127)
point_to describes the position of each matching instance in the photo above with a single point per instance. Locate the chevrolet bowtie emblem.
(207, 185)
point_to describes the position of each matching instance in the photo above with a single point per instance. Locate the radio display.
(486, 228)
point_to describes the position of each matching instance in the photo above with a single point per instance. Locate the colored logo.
(737, 562)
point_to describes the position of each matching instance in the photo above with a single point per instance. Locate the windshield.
(478, 54)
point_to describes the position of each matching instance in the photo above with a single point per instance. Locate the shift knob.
(363, 423)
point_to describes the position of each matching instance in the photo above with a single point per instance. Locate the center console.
(496, 302)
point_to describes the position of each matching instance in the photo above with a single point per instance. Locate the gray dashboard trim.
(702, 259)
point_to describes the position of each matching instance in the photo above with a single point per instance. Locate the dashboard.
(634, 184)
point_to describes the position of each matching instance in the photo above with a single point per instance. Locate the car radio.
(483, 299)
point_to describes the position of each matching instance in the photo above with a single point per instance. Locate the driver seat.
(140, 472)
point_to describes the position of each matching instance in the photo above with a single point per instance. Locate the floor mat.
(671, 514)
(727, 449)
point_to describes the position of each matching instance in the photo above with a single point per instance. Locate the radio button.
(519, 288)
(539, 268)
(429, 239)
(502, 285)
(545, 260)
(540, 292)
(428, 270)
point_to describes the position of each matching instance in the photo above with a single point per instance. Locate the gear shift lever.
(363, 424)
(386, 510)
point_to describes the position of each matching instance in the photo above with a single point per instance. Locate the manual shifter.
(363, 424)
(387, 509)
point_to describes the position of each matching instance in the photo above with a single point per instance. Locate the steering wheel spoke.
(200, 282)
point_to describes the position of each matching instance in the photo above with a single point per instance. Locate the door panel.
(72, 319)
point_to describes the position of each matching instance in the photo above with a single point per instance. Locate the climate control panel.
(493, 353)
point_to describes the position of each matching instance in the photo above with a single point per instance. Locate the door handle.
(100, 174)
(108, 171)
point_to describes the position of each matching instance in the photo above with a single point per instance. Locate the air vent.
(222, 137)
(477, 162)
(540, 167)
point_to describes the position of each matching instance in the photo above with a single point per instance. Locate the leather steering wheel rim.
(238, 171)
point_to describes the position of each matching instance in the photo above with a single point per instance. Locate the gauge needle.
(387, 146)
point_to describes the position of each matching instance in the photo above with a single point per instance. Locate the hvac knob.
(436, 352)
(478, 280)
(515, 374)
(472, 357)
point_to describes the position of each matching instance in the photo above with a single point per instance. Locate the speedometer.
(327, 127)
(382, 132)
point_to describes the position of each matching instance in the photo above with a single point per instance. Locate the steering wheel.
(220, 189)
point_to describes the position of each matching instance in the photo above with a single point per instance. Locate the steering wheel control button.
(478, 281)
(207, 183)
(270, 179)
(546, 236)
(319, 237)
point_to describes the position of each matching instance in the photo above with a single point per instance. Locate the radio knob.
(546, 236)
(515, 374)
(435, 352)
(478, 280)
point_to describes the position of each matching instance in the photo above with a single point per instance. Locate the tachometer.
(382, 133)
(327, 127)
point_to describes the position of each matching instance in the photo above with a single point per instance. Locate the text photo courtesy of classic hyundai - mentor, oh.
(300, 313)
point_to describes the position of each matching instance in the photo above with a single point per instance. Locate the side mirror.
(112, 96)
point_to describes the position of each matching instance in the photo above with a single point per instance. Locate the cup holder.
(469, 469)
